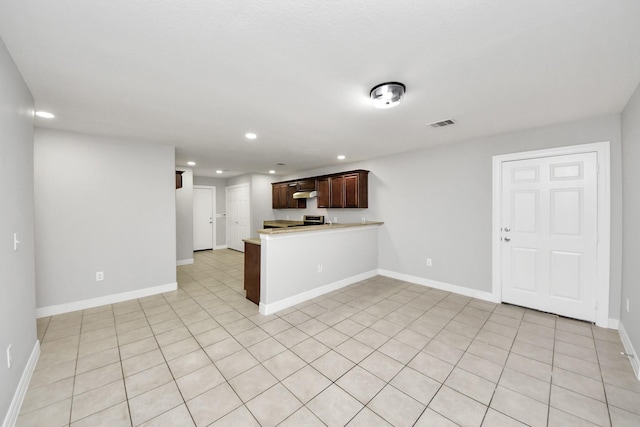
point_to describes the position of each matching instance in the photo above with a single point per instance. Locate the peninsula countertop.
(323, 227)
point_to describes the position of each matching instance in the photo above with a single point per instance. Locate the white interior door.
(238, 215)
(203, 218)
(549, 231)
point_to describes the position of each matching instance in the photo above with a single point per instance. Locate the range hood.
(305, 194)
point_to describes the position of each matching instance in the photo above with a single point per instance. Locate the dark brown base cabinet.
(340, 190)
(252, 272)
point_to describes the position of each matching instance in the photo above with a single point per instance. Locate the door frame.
(213, 207)
(602, 150)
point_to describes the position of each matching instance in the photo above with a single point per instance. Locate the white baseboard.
(473, 293)
(107, 299)
(307, 295)
(628, 348)
(220, 247)
(184, 261)
(21, 390)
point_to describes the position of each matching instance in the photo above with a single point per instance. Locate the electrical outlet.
(99, 276)
(364, 220)
(429, 262)
(335, 219)
(9, 356)
(319, 268)
(627, 305)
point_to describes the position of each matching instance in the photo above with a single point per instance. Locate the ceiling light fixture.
(218, 171)
(387, 95)
(341, 157)
(272, 171)
(191, 163)
(250, 135)
(44, 115)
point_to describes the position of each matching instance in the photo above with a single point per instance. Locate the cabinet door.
(351, 193)
(324, 193)
(337, 191)
(291, 202)
(252, 272)
(307, 185)
(282, 196)
(275, 197)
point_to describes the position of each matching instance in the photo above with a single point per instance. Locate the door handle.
(507, 239)
(507, 229)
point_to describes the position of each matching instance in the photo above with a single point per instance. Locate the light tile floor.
(377, 353)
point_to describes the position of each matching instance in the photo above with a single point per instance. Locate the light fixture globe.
(387, 95)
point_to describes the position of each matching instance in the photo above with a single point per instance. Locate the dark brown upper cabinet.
(348, 190)
(282, 196)
(324, 192)
(308, 184)
(179, 179)
(341, 190)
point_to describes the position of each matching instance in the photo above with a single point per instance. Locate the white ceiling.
(199, 74)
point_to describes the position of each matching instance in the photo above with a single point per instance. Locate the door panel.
(549, 234)
(524, 268)
(566, 212)
(524, 213)
(203, 209)
(238, 216)
(565, 275)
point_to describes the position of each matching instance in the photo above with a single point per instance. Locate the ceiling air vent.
(442, 123)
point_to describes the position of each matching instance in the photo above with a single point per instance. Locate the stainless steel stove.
(313, 220)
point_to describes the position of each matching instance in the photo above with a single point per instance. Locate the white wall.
(221, 205)
(261, 205)
(184, 218)
(631, 214)
(17, 279)
(289, 263)
(102, 204)
(436, 203)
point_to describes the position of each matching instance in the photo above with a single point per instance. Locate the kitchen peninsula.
(300, 263)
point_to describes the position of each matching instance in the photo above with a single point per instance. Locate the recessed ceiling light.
(191, 163)
(341, 157)
(387, 95)
(44, 115)
(250, 135)
(272, 171)
(218, 171)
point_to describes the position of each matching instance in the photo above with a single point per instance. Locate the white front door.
(203, 217)
(238, 216)
(549, 232)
